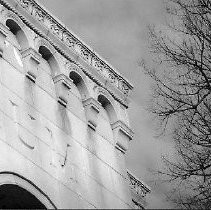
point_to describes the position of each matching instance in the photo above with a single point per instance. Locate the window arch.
(48, 56)
(79, 83)
(19, 34)
(109, 108)
(19, 182)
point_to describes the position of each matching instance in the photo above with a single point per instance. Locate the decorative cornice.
(75, 44)
(137, 186)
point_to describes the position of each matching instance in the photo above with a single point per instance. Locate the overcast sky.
(116, 29)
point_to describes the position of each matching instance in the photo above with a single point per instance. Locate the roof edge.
(53, 24)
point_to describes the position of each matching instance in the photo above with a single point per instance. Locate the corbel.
(63, 85)
(122, 135)
(92, 108)
(31, 59)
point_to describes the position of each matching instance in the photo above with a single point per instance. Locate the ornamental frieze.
(136, 185)
(76, 45)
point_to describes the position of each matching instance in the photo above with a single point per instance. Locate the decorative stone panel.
(63, 85)
(3, 35)
(122, 135)
(139, 190)
(31, 59)
(92, 108)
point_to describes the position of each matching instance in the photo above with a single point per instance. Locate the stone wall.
(59, 128)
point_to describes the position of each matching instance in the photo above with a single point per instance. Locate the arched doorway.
(19, 192)
(14, 197)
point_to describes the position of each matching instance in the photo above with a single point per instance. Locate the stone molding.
(92, 102)
(137, 186)
(123, 127)
(122, 142)
(73, 42)
(31, 52)
(64, 79)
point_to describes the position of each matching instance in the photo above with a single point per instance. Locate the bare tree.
(182, 96)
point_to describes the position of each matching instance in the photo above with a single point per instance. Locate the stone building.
(64, 129)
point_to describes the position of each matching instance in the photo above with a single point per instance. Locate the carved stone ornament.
(63, 85)
(92, 108)
(88, 55)
(122, 135)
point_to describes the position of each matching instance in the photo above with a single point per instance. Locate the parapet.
(139, 190)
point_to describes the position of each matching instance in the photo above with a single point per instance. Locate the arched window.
(51, 61)
(18, 33)
(17, 191)
(16, 43)
(80, 84)
(108, 107)
(106, 117)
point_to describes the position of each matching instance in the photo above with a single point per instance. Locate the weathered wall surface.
(58, 128)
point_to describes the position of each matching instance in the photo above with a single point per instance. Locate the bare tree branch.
(182, 94)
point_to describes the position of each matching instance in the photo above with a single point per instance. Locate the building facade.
(64, 129)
